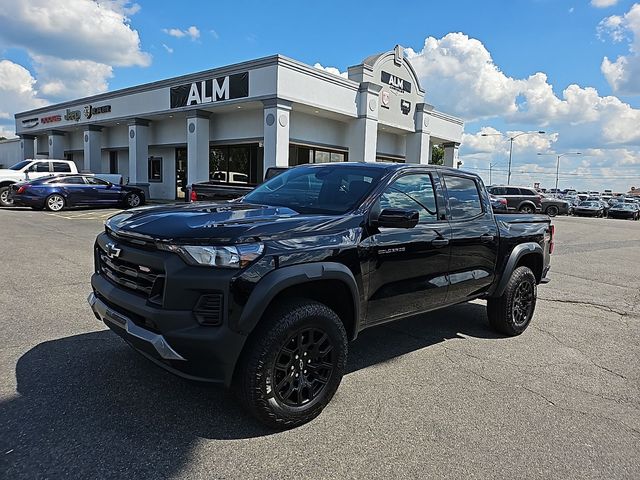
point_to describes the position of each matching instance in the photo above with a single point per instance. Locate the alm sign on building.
(210, 90)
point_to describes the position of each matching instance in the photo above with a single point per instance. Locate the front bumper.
(171, 337)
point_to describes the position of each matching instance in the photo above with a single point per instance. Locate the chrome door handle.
(440, 242)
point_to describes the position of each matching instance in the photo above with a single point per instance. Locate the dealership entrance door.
(181, 173)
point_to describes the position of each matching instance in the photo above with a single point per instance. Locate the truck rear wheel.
(293, 364)
(512, 312)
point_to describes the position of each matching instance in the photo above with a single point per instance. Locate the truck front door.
(408, 266)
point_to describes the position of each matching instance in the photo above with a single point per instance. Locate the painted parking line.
(93, 215)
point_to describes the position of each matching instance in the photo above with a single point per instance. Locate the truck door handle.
(440, 242)
(486, 238)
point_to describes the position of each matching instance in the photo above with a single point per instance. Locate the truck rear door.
(474, 237)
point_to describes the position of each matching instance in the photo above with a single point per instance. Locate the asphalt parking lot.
(438, 396)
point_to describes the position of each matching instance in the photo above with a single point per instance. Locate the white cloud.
(460, 77)
(73, 48)
(214, 34)
(81, 29)
(603, 3)
(58, 78)
(623, 74)
(17, 92)
(192, 32)
(332, 70)
(167, 48)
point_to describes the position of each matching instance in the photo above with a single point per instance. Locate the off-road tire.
(255, 374)
(500, 310)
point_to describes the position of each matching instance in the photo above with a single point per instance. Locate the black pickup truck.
(264, 293)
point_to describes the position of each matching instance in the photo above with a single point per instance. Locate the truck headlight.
(233, 256)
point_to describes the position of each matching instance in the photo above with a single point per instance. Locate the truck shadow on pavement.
(88, 406)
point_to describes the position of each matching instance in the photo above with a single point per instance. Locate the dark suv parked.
(521, 199)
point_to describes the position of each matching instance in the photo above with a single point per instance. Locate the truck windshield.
(325, 189)
(20, 165)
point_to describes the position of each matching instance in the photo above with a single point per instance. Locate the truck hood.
(225, 223)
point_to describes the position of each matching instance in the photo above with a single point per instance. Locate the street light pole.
(558, 163)
(511, 139)
(491, 165)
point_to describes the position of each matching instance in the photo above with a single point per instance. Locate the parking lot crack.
(564, 344)
(585, 303)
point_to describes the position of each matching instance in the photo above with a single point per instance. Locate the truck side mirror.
(397, 218)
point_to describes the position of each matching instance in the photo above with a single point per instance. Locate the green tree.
(437, 155)
(3, 138)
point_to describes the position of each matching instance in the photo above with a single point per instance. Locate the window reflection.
(464, 198)
(412, 192)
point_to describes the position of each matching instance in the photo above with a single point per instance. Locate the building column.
(364, 129)
(27, 146)
(276, 133)
(138, 151)
(56, 144)
(451, 154)
(198, 146)
(93, 149)
(418, 148)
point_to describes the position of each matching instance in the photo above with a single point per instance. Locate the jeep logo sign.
(211, 90)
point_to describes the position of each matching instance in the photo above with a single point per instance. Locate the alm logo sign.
(396, 83)
(210, 90)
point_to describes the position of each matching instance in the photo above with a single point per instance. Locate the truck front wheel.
(293, 364)
(512, 312)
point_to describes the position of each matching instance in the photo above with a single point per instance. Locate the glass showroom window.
(155, 169)
(234, 164)
(301, 154)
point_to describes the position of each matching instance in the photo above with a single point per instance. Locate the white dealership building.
(231, 123)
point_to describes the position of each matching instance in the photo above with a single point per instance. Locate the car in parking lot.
(625, 210)
(498, 204)
(554, 206)
(520, 199)
(589, 208)
(64, 191)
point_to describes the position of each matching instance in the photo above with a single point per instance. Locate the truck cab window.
(464, 198)
(412, 192)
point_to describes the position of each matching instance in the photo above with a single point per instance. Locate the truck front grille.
(138, 278)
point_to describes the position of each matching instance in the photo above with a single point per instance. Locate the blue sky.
(503, 66)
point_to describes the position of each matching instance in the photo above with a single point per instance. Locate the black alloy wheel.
(552, 211)
(303, 367)
(292, 364)
(511, 313)
(522, 303)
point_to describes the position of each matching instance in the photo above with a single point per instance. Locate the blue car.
(64, 191)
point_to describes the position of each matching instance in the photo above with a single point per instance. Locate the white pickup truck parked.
(36, 168)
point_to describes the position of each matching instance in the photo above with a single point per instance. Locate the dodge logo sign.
(112, 250)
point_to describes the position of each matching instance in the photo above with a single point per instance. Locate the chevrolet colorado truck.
(264, 293)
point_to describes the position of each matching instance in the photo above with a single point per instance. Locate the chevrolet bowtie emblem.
(112, 250)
